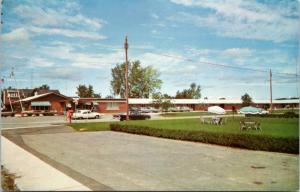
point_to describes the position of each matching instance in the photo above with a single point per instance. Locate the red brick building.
(47, 102)
(227, 104)
(100, 105)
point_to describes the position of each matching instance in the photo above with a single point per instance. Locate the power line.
(204, 62)
(223, 65)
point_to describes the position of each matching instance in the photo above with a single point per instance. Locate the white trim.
(211, 101)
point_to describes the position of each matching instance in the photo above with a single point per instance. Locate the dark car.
(135, 116)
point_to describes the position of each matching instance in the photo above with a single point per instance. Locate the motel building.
(54, 103)
(119, 105)
(50, 103)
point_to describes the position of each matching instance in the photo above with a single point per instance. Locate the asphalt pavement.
(119, 161)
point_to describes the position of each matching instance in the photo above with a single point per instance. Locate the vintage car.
(86, 114)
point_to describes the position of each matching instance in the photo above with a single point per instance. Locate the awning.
(40, 103)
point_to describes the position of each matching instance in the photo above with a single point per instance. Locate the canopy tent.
(250, 110)
(216, 110)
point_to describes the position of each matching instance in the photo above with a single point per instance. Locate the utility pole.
(126, 78)
(2, 82)
(271, 102)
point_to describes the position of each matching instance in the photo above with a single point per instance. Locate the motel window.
(112, 106)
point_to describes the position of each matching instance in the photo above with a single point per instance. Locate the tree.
(194, 92)
(84, 91)
(246, 100)
(45, 87)
(141, 81)
(97, 95)
(162, 100)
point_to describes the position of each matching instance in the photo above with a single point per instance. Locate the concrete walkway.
(34, 174)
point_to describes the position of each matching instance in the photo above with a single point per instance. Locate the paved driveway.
(119, 161)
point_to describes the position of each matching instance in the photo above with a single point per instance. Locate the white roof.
(35, 97)
(210, 101)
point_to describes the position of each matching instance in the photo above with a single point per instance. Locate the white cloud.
(245, 19)
(154, 16)
(82, 59)
(63, 73)
(183, 2)
(67, 33)
(237, 52)
(19, 34)
(40, 16)
(161, 62)
(54, 18)
(40, 62)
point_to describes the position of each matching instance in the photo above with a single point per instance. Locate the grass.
(285, 110)
(185, 114)
(98, 126)
(270, 126)
(277, 135)
(201, 113)
(275, 127)
(8, 180)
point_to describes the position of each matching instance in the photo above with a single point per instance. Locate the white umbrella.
(216, 109)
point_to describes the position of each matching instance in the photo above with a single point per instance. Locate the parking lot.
(118, 161)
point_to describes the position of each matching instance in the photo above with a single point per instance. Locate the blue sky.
(67, 43)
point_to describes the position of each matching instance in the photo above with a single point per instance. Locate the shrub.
(254, 142)
(275, 115)
(290, 114)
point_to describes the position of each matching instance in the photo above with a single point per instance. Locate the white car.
(86, 114)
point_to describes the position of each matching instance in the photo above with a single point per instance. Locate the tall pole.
(271, 102)
(126, 78)
(1, 82)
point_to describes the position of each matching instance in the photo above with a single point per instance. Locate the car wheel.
(97, 117)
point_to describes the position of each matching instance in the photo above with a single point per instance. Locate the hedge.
(247, 141)
(275, 115)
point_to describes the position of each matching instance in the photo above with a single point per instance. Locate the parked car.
(148, 110)
(86, 114)
(134, 109)
(185, 109)
(135, 116)
(145, 110)
(117, 116)
(153, 110)
(174, 109)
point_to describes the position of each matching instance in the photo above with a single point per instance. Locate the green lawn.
(285, 110)
(275, 127)
(184, 114)
(200, 113)
(99, 126)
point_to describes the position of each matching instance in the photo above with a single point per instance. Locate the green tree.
(45, 87)
(194, 92)
(141, 81)
(246, 100)
(162, 101)
(84, 91)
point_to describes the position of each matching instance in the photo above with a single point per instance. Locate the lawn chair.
(204, 121)
(243, 126)
(257, 126)
(221, 121)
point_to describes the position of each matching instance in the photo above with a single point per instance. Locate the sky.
(64, 43)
